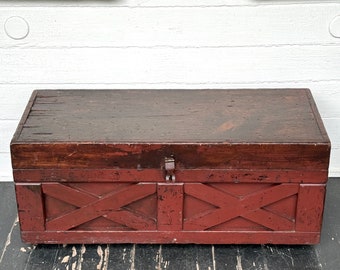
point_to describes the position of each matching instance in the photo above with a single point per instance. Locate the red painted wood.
(248, 201)
(229, 207)
(145, 116)
(185, 176)
(103, 206)
(224, 155)
(310, 208)
(30, 207)
(245, 172)
(170, 207)
(67, 194)
(166, 237)
(287, 133)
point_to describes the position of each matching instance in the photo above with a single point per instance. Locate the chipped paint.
(132, 257)
(166, 264)
(239, 262)
(80, 258)
(103, 257)
(8, 241)
(161, 263)
(124, 255)
(213, 256)
(197, 266)
(66, 259)
(100, 254)
(74, 251)
(159, 258)
(106, 257)
(74, 265)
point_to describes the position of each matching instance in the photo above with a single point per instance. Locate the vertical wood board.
(310, 208)
(30, 207)
(170, 207)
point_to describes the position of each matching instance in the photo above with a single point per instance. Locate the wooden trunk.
(171, 166)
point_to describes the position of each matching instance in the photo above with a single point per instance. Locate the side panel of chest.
(289, 213)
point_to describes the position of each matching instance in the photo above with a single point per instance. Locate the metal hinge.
(169, 166)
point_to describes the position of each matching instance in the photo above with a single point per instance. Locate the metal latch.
(169, 166)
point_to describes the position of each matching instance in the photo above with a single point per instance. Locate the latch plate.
(169, 166)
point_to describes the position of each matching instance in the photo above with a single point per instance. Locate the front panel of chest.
(144, 212)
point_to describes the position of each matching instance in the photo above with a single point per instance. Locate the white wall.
(169, 44)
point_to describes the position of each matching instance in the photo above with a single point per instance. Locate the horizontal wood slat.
(152, 175)
(190, 156)
(172, 237)
(176, 27)
(161, 3)
(172, 65)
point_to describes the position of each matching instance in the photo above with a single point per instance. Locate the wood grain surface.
(233, 129)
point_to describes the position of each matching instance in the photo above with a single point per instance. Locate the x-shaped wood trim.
(249, 207)
(91, 207)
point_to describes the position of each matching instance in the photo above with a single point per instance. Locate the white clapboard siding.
(5, 167)
(160, 3)
(160, 65)
(334, 163)
(333, 127)
(7, 129)
(181, 27)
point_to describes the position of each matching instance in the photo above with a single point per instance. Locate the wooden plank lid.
(261, 128)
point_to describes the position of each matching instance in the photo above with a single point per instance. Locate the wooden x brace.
(249, 207)
(91, 207)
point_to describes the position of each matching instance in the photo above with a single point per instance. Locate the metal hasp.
(169, 166)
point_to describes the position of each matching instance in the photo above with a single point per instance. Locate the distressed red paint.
(251, 166)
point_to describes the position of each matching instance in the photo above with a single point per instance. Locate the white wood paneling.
(13, 100)
(182, 27)
(160, 3)
(160, 65)
(7, 129)
(334, 162)
(170, 44)
(5, 167)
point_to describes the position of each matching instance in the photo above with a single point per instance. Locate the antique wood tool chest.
(171, 166)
